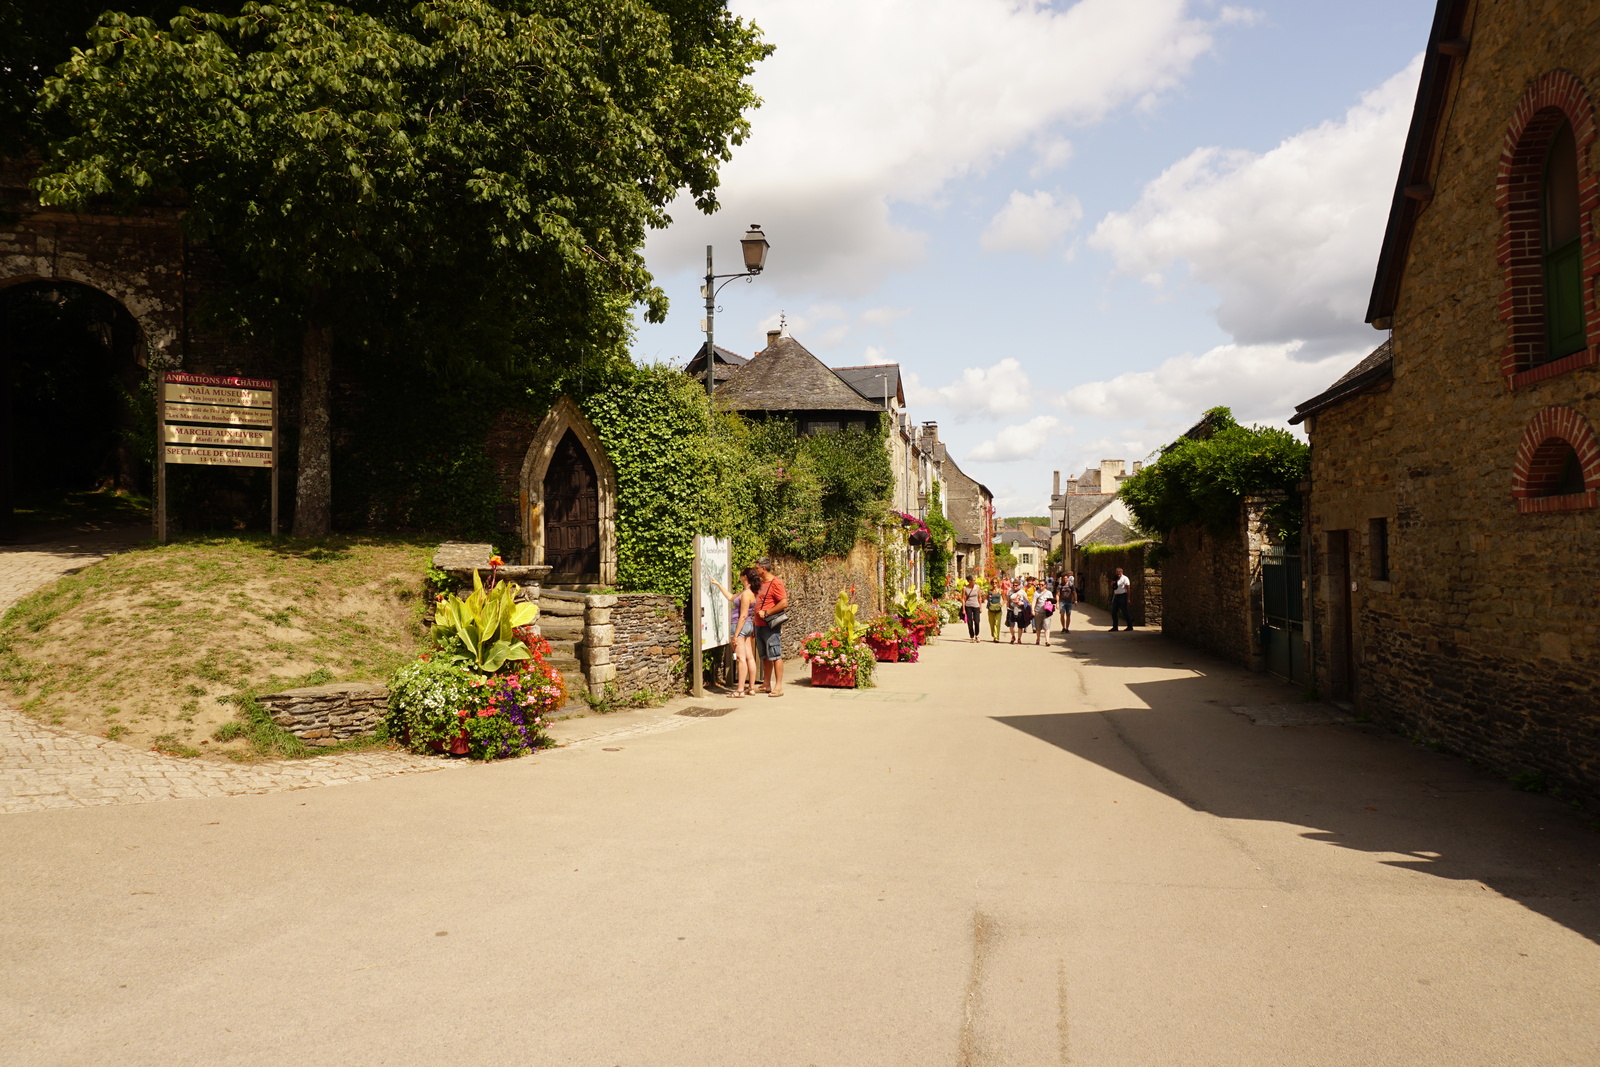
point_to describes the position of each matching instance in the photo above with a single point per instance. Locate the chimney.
(1072, 485)
(772, 337)
(1138, 465)
(1055, 484)
(1110, 468)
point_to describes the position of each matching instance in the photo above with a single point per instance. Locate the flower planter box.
(832, 677)
(884, 651)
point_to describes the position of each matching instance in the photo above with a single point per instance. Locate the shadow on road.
(1355, 787)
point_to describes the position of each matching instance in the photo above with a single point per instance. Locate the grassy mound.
(166, 646)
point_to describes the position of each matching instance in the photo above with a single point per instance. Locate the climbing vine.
(941, 542)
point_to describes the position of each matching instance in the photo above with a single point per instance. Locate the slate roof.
(1377, 366)
(1082, 505)
(870, 381)
(1416, 163)
(784, 376)
(1110, 532)
(728, 364)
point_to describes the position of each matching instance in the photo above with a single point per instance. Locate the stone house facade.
(1452, 529)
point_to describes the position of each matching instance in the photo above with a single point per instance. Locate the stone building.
(1453, 537)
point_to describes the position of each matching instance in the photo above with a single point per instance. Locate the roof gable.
(874, 382)
(1377, 366)
(784, 376)
(1414, 187)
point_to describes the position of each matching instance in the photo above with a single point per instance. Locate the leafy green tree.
(1202, 479)
(1005, 560)
(461, 182)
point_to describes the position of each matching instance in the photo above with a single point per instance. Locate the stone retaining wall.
(323, 715)
(1098, 570)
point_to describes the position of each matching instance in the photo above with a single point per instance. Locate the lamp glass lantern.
(754, 245)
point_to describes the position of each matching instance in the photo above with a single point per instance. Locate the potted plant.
(886, 636)
(485, 689)
(839, 656)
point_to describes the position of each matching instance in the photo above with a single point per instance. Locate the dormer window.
(1563, 255)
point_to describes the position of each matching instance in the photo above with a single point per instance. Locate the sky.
(1075, 226)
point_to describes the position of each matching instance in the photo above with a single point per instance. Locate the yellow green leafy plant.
(482, 627)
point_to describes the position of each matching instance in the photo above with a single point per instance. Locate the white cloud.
(1050, 153)
(1288, 238)
(869, 104)
(1031, 222)
(1261, 383)
(874, 355)
(1003, 389)
(1023, 441)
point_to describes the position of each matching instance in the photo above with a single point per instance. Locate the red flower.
(496, 561)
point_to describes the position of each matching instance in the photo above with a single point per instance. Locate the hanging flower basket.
(918, 539)
(832, 677)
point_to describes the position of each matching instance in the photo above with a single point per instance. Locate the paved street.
(1001, 855)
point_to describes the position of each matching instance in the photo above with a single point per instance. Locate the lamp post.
(754, 246)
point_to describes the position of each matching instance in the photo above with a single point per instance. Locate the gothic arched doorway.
(570, 500)
(571, 511)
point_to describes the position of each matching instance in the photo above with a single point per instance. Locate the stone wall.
(814, 587)
(647, 631)
(1485, 634)
(322, 715)
(1211, 586)
(1099, 570)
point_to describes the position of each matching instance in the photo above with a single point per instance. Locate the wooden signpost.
(212, 421)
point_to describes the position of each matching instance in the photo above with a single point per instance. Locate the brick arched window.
(1558, 463)
(1547, 193)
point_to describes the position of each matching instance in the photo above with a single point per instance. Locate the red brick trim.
(1540, 457)
(1540, 505)
(1589, 357)
(1554, 96)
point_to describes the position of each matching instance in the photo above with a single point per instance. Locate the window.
(1558, 464)
(1378, 548)
(1563, 256)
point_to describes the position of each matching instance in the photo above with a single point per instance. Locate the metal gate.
(1283, 631)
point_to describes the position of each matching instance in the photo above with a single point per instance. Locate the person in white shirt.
(1119, 600)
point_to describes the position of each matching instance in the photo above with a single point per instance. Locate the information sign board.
(215, 421)
(716, 553)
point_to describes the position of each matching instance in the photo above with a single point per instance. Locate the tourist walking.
(996, 606)
(1120, 590)
(1043, 604)
(771, 612)
(971, 605)
(1066, 596)
(742, 625)
(1020, 613)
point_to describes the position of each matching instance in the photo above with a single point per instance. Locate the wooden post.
(697, 607)
(274, 460)
(161, 456)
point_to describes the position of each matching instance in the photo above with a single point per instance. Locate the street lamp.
(754, 246)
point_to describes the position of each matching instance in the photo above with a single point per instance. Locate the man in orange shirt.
(774, 600)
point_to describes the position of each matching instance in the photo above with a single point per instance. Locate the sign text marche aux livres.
(217, 421)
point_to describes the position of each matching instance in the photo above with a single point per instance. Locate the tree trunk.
(313, 491)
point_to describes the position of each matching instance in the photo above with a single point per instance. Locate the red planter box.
(832, 677)
(884, 651)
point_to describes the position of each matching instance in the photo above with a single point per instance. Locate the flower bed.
(887, 636)
(486, 689)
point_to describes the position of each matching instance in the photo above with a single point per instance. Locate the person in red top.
(774, 598)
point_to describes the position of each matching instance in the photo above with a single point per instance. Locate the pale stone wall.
(1486, 635)
(1098, 570)
(814, 587)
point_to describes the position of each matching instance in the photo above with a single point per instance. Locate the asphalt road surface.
(1001, 855)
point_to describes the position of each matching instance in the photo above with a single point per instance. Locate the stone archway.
(560, 431)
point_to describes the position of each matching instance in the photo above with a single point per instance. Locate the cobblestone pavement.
(26, 567)
(49, 767)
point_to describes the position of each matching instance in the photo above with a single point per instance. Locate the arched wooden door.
(571, 510)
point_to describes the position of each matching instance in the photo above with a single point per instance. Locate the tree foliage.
(941, 543)
(1203, 479)
(455, 181)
